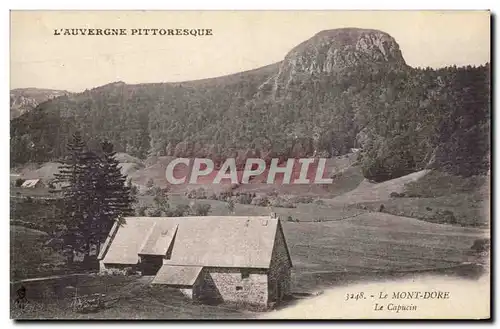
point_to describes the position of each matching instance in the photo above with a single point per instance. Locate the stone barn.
(209, 259)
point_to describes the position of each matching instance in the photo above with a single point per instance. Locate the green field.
(342, 241)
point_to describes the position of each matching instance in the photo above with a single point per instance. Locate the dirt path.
(52, 277)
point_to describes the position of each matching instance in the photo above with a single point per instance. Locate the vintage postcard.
(250, 164)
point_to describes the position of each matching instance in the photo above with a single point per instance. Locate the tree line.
(404, 119)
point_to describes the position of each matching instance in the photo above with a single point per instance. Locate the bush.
(153, 212)
(319, 202)
(180, 211)
(481, 245)
(199, 193)
(199, 209)
(445, 217)
(244, 198)
(19, 182)
(449, 217)
(261, 201)
(230, 205)
(281, 203)
(134, 190)
(141, 211)
(224, 196)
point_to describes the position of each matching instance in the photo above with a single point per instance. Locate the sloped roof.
(125, 246)
(217, 241)
(177, 275)
(159, 239)
(30, 183)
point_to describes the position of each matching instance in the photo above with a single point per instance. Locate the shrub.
(445, 217)
(212, 196)
(319, 202)
(481, 245)
(199, 193)
(230, 205)
(244, 198)
(261, 201)
(141, 211)
(289, 219)
(199, 209)
(180, 211)
(19, 182)
(153, 212)
(449, 217)
(281, 203)
(134, 190)
(150, 183)
(224, 196)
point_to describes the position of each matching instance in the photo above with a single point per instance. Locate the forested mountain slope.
(341, 89)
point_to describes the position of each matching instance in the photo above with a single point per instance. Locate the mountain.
(341, 89)
(23, 100)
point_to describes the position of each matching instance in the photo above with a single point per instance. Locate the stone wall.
(118, 269)
(230, 285)
(279, 270)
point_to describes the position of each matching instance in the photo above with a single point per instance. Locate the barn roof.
(30, 182)
(177, 275)
(216, 241)
(159, 239)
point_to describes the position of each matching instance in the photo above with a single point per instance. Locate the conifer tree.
(78, 176)
(115, 197)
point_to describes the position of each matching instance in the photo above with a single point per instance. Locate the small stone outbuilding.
(209, 259)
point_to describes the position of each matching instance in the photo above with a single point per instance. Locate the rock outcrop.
(26, 99)
(332, 52)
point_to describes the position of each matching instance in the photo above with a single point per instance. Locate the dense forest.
(404, 119)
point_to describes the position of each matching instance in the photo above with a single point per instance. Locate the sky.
(240, 41)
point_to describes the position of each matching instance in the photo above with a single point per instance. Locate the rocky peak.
(333, 51)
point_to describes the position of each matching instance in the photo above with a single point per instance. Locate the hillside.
(341, 89)
(23, 100)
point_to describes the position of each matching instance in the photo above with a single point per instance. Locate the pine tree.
(95, 195)
(115, 196)
(78, 175)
